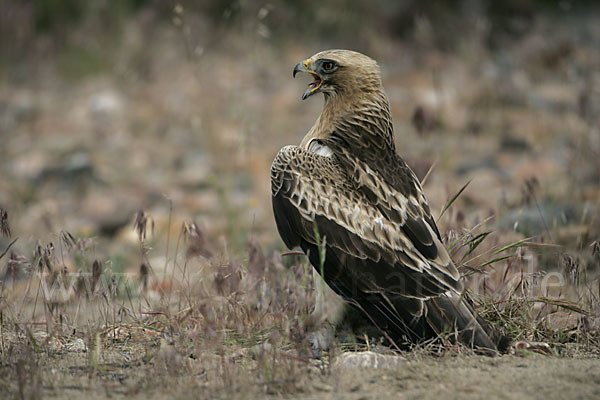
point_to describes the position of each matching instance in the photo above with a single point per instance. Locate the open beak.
(315, 85)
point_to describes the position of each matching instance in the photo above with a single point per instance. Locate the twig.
(153, 313)
(292, 253)
(8, 247)
(428, 173)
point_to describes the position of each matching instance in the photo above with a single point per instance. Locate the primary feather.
(346, 185)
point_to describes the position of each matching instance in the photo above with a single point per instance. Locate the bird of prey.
(357, 210)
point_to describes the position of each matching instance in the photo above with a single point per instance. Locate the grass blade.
(485, 264)
(474, 243)
(453, 199)
(519, 243)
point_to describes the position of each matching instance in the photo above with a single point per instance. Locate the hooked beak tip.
(298, 68)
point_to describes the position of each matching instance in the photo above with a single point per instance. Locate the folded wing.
(382, 240)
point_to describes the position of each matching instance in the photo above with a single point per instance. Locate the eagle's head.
(340, 73)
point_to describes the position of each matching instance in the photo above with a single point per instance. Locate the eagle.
(357, 210)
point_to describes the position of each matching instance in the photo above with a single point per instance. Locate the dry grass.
(241, 325)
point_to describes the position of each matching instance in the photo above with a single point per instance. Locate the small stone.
(367, 359)
(522, 347)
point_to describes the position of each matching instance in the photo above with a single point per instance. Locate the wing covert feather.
(400, 255)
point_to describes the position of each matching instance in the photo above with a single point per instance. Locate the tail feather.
(450, 315)
(454, 315)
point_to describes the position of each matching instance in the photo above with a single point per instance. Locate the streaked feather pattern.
(383, 252)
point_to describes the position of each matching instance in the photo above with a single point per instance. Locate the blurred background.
(179, 107)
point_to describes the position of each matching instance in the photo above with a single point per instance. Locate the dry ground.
(126, 370)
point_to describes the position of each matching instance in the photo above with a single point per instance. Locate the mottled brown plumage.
(346, 184)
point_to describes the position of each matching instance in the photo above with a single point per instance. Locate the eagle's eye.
(328, 66)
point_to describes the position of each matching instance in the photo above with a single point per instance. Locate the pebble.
(367, 359)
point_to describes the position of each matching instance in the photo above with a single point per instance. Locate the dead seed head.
(144, 275)
(67, 240)
(256, 261)
(189, 229)
(4, 227)
(44, 257)
(96, 274)
(141, 224)
(572, 268)
(528, 190)
(80, 286)
(595, 248)
(198, 244)
(228, 278)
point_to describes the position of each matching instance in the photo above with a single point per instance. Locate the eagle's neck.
(363, 121)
